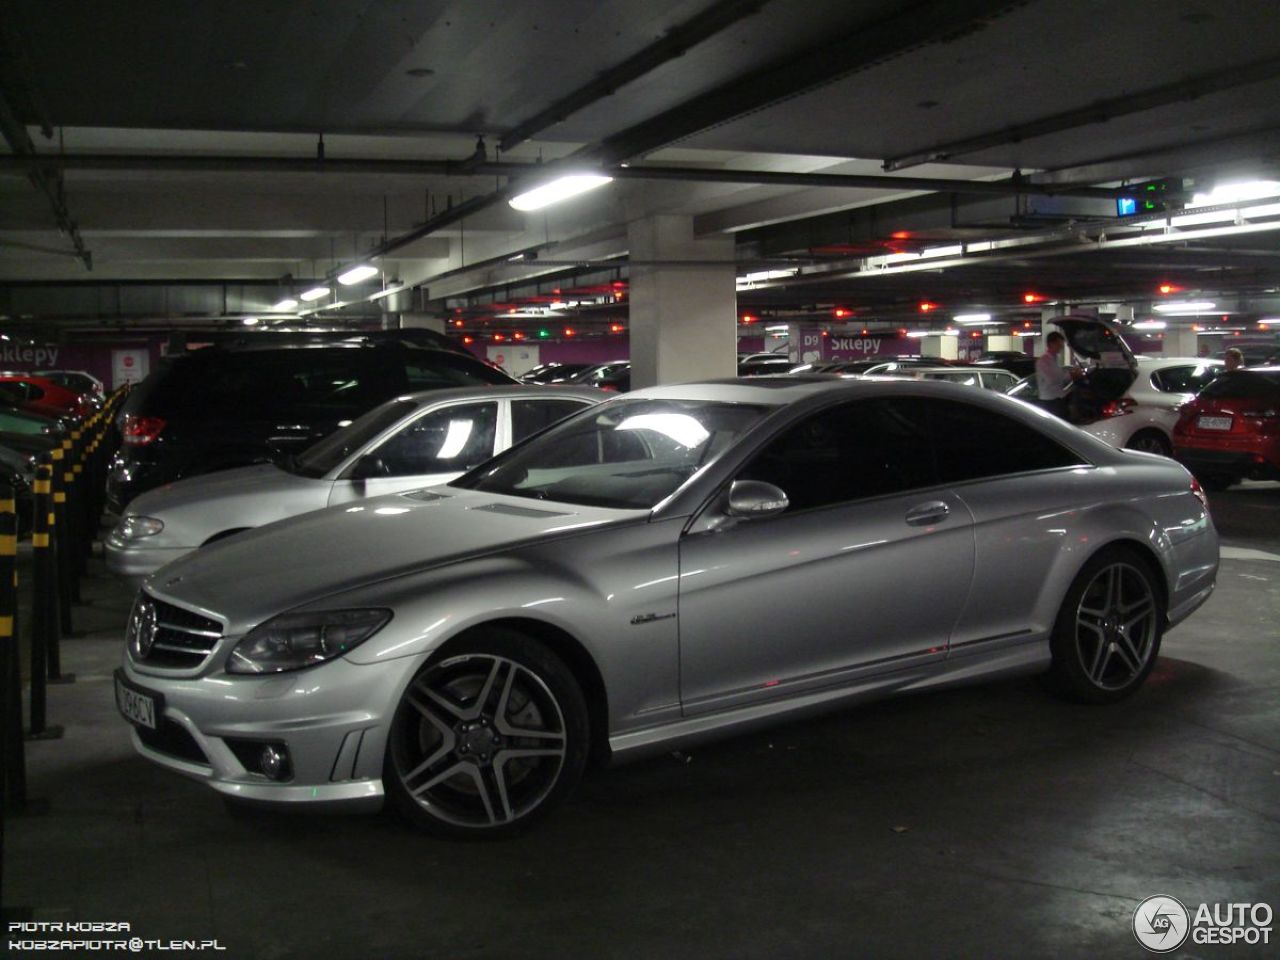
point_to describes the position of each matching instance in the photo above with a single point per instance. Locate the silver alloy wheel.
(1117, 624)
(482, 743)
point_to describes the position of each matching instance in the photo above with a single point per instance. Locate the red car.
(1231, 430)
(38, 392)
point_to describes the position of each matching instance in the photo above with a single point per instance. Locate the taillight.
(1118, 408)
(138, 431)
(1197, 491)
(610, 387)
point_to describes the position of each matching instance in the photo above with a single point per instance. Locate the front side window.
(325, 455)
(631, 454)
(866, 448)
(451, 439)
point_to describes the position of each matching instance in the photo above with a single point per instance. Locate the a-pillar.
(684, 303)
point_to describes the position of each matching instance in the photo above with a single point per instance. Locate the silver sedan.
(413, 441)
(675, 565)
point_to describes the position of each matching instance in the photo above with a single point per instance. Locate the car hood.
(267, 571)
(1114, 365)
(243, 483)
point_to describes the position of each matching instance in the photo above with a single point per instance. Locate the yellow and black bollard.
(44, 598)
(13, 769)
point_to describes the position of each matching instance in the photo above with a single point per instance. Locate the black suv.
(222, 407)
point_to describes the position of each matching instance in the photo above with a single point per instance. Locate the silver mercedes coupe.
(675, 565)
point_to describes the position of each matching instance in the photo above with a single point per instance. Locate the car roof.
(1149, 361)
(508, 391)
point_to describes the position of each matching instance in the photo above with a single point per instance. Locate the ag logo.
(1161, 924)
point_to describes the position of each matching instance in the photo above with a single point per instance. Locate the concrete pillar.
(684, 304)
(421, 321)
(1005, 343)
(1180, 342)
(944, 345)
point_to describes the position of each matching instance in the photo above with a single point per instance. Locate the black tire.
(1150, 441)
(488, 738)
(1107, 634)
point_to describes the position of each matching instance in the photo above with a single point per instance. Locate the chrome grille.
(162, 635)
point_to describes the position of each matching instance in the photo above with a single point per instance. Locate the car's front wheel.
(487, 738)
(1107, 634)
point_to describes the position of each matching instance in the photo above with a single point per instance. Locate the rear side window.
(1191, 378)
(530, 416)
(1247, 384)
(972, 443)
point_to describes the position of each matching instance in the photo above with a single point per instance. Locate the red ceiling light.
(976, 334)
(840, 313)
(901, 235)
(468, 340)
(1032, 298)
(865, 331)
(517, 335)
(616, 328)
(569, 332)
(749, 318)
(1170, 288)
(457, 323)
(498, 338)
(926, 306)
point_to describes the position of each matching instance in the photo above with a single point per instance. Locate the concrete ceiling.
(178, 146)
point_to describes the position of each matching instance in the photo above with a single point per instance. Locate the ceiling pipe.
(1100, 112)
(452, 168)
(674, 44)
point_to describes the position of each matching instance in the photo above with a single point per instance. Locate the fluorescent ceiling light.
(356, 274)
(1150, 325)
(315, 293)
(288, 303)
(559, 189)
(917, 334)
(1184, 307)
(1236, 193)
(394, 286)
(972, 318)
(760, 275)
(250, 321)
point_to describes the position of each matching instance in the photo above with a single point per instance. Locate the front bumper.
(135, 560)
(333, 720)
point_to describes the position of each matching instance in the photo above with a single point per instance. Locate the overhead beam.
(870, 44)
(1099, 112)
(675, 43)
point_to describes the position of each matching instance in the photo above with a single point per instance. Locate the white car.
(1133, 408)
(989, 378)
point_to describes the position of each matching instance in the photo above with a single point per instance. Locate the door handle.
(935, 511)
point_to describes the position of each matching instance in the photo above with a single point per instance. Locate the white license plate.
(136, 707)
(1214, 423)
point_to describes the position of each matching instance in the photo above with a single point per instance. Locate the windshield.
(629, 454)
(319, 458)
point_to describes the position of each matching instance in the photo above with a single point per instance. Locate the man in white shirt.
(1052, 379)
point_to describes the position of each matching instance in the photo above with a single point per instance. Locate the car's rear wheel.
(1107, 634)
(487, 738)
(1150, 441)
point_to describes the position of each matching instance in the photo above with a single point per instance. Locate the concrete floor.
(994, 821)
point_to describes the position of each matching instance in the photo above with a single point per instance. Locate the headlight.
(296, 640)
(135, 527)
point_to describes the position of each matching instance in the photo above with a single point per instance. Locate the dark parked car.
(218, 408)
(614, 376)
(1231, 430)
(553, 372)
(1021, 364)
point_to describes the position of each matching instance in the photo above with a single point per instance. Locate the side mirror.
(753, 499)
(368, 466)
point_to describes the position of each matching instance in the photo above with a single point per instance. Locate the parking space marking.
(1246, 553)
